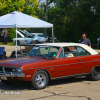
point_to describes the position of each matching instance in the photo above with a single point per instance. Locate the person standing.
(2, 35)
(85, 40)
(5, 36)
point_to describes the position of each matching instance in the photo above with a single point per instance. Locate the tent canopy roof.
(19, 20)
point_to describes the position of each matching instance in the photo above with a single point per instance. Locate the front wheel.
(95, 74)
(40, 80)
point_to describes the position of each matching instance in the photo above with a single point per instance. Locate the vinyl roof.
(93, 52)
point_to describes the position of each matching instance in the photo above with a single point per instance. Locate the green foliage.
(73, 17)
(11, 34)
(70, 17)
(30, 7)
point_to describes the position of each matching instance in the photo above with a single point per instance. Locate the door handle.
(79, 59)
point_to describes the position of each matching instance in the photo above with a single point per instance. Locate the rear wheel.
(40, 80)
(95, 74)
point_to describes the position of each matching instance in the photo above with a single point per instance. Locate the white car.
(25, 37)
(39, 39)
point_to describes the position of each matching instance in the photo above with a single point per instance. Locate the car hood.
(18, 62)
(39, 38)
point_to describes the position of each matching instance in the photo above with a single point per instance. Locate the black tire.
(40, 83)
(95, 74)
(6, 82)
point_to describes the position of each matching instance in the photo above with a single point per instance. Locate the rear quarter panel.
(88, 62)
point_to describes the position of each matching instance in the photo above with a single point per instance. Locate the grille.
(6, 69)
(1, 69)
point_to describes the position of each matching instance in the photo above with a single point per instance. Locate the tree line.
(70, 17)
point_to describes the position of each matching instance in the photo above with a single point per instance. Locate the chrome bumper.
(11, 75)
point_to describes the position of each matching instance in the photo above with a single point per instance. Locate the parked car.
(52, 61)
(23, 38)
(2, 53)
(39, 39)
(44, 37)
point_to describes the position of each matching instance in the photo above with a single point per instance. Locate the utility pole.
(46, 17)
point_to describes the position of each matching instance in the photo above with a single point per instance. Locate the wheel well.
(96, 67)
(46, 72)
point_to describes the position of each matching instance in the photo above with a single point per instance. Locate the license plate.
(3, 77)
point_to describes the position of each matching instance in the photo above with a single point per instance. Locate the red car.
(51, 61)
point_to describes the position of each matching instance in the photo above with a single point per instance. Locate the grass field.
(8, 43)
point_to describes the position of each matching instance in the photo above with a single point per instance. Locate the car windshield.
(44, 51)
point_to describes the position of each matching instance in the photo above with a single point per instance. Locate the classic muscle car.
(51, 61)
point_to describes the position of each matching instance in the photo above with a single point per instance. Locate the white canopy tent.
(19, 20)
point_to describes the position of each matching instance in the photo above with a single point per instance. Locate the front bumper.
(11, 75)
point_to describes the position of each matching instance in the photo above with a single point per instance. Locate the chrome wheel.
(95, 74)
(40, 80)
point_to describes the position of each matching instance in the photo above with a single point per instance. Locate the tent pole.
(16, 42)
(52, 35)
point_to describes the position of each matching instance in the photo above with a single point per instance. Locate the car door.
(68, 66)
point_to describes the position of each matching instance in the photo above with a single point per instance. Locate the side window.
(61, 55)
(82, 52)
(70, 51)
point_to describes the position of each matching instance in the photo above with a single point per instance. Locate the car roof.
(93, 52)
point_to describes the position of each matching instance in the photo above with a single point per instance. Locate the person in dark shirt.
(85, 40)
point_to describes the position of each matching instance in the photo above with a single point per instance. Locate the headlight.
(19, 70)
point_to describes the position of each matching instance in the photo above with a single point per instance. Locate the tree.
(30, 7)
(72, 17)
